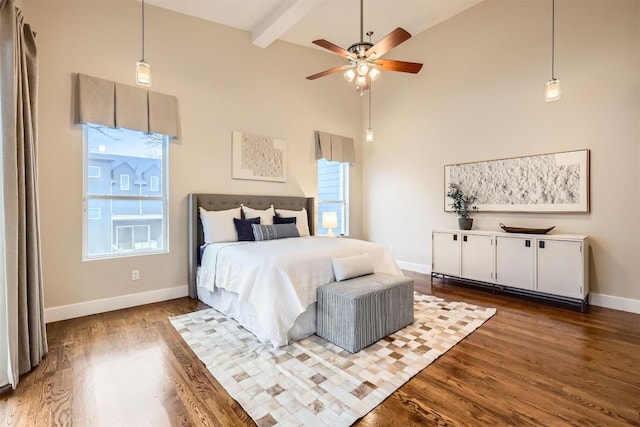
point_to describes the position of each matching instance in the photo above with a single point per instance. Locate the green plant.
(461, 204)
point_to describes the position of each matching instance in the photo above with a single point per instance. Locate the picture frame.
(259, 158)
(552, 182)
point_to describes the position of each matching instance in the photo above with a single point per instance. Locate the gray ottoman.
(355, 313)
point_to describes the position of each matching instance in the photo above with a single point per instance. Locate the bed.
(269, 287)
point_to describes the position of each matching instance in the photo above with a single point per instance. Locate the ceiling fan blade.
(329, 71)
(388, 42)
(403, 66)
(333, 48)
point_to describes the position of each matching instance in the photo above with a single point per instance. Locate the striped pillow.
(276, 231)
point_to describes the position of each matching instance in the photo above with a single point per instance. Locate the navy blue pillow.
(284, 220)
(244, 230)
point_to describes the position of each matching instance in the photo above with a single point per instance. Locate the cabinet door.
(560, 268)
(515, 262)
(477, 257)
(445, 253)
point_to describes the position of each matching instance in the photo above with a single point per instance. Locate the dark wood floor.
(530, 365)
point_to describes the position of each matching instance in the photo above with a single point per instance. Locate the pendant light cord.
(370, 87)
(553, 38)
(142, 30)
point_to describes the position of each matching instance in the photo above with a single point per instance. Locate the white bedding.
(279, 277)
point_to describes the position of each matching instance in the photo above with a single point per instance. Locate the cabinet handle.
(541, 244)
(464, 238)
(455, 237)
(527, 243)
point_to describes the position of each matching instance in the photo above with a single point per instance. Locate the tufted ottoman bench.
(355, 313)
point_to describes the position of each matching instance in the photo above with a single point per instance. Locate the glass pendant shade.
(374, 74)
(369, 135)
(143, 73)
(552, 90)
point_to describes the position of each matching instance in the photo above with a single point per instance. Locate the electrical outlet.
(135, 274)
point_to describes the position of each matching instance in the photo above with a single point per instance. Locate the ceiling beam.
(286, 15)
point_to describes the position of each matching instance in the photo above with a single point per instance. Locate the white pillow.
(302, 220)
(266, 216)
(218, 226)
(352, 266)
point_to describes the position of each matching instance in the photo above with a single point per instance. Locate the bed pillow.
(282, 220)
(302, 220)
(244, 230)
(352, 266)
(276, 231)
(266, 216)
(218, 225)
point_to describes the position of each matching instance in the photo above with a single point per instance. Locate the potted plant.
(462, 205)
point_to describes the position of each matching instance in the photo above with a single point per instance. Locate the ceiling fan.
(364, 57)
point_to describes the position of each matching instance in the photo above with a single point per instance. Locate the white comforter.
(279, 277)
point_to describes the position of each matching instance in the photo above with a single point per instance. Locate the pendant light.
(369, 134)
(552, 87)
(143, 70)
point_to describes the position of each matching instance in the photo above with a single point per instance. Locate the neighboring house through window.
(333, 195)
(125, 207)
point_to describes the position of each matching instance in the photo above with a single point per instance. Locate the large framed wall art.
(258, 157)
(555, 182)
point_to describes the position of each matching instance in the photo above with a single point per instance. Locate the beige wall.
(223, 83)
(480, 97)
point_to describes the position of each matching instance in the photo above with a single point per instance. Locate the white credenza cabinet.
(554, 265)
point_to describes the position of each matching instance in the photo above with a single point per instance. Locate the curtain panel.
(334, 147)
(117, 105)
(25, 326)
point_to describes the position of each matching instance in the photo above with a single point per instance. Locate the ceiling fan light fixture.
(362, 68)
(374, 73)
(349, 75)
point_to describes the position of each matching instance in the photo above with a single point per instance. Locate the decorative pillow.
(244, 230)
(266, 216)
(302, 220)
(283, 220)
(218, 225)
(276, 231)
(352, 266)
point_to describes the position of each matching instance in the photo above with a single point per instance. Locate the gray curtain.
(334, 147)
(23, 271)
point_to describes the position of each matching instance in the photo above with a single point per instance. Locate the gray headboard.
(218, 202)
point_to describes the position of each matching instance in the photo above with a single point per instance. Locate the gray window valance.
(117, 105)
(334, 147)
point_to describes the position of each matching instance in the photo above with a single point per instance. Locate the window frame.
(154, 183)
(94, 176)
(163, 196)
(124, 187)
(344, 203)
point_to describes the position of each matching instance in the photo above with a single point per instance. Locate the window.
(333, 194)
(121, 217)
(124, 182)
(154, 183)
(93, 172)
(93, 213)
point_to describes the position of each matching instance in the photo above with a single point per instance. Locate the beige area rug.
(313, 382)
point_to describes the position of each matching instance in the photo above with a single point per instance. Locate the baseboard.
(412, 266)
(54, 314)
(599, 300)
(616, 303)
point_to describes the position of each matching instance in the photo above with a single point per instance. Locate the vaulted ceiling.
(302, 21)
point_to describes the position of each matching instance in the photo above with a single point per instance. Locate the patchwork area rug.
(313, 382)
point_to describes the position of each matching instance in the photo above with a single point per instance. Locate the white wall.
(480, 97)
(223, 83)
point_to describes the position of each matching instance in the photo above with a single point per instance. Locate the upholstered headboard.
(218, 202)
